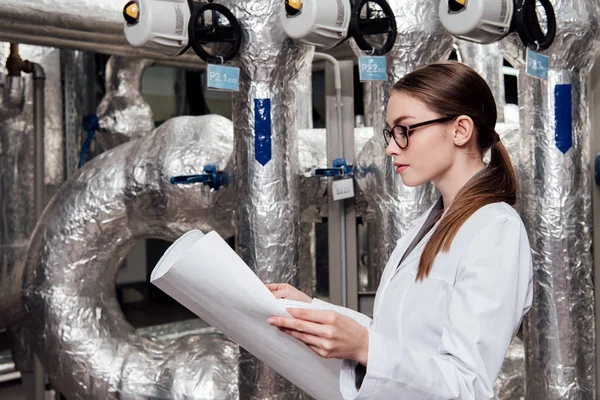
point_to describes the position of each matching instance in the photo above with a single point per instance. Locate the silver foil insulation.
(556, 204)
(421, 40)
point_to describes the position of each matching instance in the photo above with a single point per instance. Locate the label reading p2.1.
(537, 65)
(224, 78)
(342, 189)
(372, 68)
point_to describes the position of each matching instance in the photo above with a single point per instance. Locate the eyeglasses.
(400, 132)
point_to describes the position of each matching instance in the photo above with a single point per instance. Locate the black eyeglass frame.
(406, 130)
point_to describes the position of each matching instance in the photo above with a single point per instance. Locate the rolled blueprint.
(205, 275)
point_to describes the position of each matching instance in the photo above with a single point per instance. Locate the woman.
(455, 289)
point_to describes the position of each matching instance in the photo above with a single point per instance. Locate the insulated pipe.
(266, 161)
(421, 40)
(307, 247)
(75, 322)
(78, 24)
(487, 60)
(123, 113)
(557, 208)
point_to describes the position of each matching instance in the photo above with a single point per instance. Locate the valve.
(171, 27)
(328, 23)
(212, 177)
(340, 168)
(487, 21)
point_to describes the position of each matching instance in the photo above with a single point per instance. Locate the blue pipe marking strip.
(262, 130)
(563, 117)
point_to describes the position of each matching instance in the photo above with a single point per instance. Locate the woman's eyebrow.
(400, 119)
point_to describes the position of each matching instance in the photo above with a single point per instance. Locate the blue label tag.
(537, 65)
(220, 77)
(262, 130)
(563, 117)
(372, 68)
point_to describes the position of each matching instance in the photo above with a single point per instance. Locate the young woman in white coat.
(456, 287)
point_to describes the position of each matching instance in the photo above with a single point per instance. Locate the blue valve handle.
(90, 124)
(212, 177)
(189, 179)
(340, 167)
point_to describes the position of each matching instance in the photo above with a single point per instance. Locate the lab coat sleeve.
(491, 293)
(355, 315)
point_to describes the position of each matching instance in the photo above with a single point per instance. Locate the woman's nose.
(392, 148)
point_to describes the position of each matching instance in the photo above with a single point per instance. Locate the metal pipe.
(339, 104)
(39, 84)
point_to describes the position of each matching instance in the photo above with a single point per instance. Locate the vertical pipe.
(307, 242)
(557, 208)
(266, 165)
(487, 60)
(421, 40)
(340, 154)
(39, 80)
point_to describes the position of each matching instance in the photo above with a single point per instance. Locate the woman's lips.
(400, 167)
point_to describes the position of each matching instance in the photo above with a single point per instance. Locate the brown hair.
(451, 88)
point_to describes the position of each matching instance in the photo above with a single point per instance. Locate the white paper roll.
(205, 275)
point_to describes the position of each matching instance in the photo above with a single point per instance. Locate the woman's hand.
(285, 291)
(327, 333)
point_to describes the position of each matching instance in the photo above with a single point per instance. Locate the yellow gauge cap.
(131, 12)
(293, 7)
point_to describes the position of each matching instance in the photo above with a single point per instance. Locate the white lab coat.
(446, 337)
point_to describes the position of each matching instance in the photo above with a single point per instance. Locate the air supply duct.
(421, 40)
(557, 207)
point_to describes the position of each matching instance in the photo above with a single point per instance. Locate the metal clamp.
(340, 168)
(212, 177)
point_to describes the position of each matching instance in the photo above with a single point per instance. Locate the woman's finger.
(309, 340)
(317, 316)
(299, 325)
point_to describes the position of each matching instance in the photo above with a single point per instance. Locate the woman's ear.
(463, 130)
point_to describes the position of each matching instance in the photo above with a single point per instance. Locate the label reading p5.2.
(372, 68)
(223, 78)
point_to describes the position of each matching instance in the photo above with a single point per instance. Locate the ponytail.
(496, 183)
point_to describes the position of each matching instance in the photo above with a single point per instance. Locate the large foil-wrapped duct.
(123, 114)
(17, 173)
(88, 349)
(557, 206)
(421, 40)
(266, 160)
